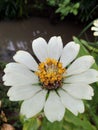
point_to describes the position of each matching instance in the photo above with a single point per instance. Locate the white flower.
(58, 83)
(95, 27)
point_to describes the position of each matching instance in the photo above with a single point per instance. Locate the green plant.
(88, 10)
(65, 7)
(85, 10)
(10, 9)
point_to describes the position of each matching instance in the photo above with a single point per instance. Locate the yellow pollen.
(50, 72)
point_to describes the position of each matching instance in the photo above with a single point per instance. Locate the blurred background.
(21, 21)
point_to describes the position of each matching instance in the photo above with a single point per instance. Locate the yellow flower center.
(50, 74)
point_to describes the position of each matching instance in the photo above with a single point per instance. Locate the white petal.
(55, 47)
(19, 77)
(33, 105)
(39, 46)
(14, 67)
(54, 109)
(22, 92)
(95, 33)
(80, 91)
(94, 28)
(71, 103)
(80, 65)
(88, 77)
(96, 22)
(69, 53)
(25, 58)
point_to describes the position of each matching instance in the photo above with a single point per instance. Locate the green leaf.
(31, 124)
(46, 125)
(93, 106)
(91, 48)
(52, 2)
(77, 5)
(85, 29)
(84, 51)
(75, 12)
(81, 122)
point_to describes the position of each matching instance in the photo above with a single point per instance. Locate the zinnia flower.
(58, 82)
(95, 27)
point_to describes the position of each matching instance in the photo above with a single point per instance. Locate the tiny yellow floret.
(50, 72)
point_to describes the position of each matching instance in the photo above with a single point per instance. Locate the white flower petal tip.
(18, 93)
(95, 27)
(34, 105)
(96, 22)
(92, 28)
(3, 78)
(69, 53)
(26, 59)
(39, 46)
(21, 77)
(95, 33)
(18, 74)
(54, 109)
(79, 91)
(14, 67)
(55, 45)
(73, 104)
(88, 77)
(80, 65)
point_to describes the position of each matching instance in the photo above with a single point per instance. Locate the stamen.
(50, 74)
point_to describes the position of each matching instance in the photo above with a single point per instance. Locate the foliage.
(11, 109)
(31, 124)
(10, 9)
(84, 10)
(46, 125)
(65, 7)
(88, 10)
